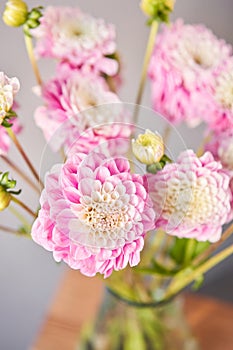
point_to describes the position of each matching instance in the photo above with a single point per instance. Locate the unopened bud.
(5, 198)
(148, 148)
(158, 9)
(15, 14)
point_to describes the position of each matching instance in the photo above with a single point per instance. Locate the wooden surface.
(78, 298)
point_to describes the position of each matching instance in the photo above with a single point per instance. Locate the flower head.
(114, 141)
(69, 35)
(224, 89)
(221, 146)
(15, 13)
(148, 148)
(192, 197)
(76, 102)
(8, 89)
(185, 64)
(94, 214)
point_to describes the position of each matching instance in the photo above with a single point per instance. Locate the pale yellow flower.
(16, 12)
(8, 89)
(148, 148)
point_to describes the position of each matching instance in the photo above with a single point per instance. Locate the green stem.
(19, 216)
(185, 279)
(166, 134)
(149, 50)
(30, 51)
(201, 147)
(9, 230)
(25, 157)
(24, 206)
(153, 244)
(189, 249)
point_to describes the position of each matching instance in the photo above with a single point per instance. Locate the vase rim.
(141, 304)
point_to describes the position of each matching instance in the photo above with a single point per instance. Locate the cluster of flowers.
(191, 76)
(94, 213)
(87, 70)
(191, 73)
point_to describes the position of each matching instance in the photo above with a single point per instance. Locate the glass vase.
(129, 325)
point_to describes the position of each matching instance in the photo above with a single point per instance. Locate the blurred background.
(28, 274)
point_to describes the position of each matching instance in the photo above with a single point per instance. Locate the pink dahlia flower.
(221, 146)
(69, 35)
(192, 197)
(8, 89)
(185, 63)
(114, 140)
(221, 116)
(74, 103)
(94, 214)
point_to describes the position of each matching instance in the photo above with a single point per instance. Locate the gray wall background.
(28, 274)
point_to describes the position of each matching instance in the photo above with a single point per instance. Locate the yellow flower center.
(104, 218)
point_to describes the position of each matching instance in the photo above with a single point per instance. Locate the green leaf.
(154, 168)
(185, 250)
(6, 124)
(177, 251)
(11, 114)
(158, 269)
(7, 184)
(15, 192)
(166, 159)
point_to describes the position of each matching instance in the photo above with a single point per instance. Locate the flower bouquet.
(120, 204)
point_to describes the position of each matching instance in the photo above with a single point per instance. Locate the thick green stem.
(184, 279)
(30, 51)
(191, 244)
(149, 50)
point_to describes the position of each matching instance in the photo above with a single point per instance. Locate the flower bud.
(5, 198)
(158, 9)
(16, 12)
(148, 148)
